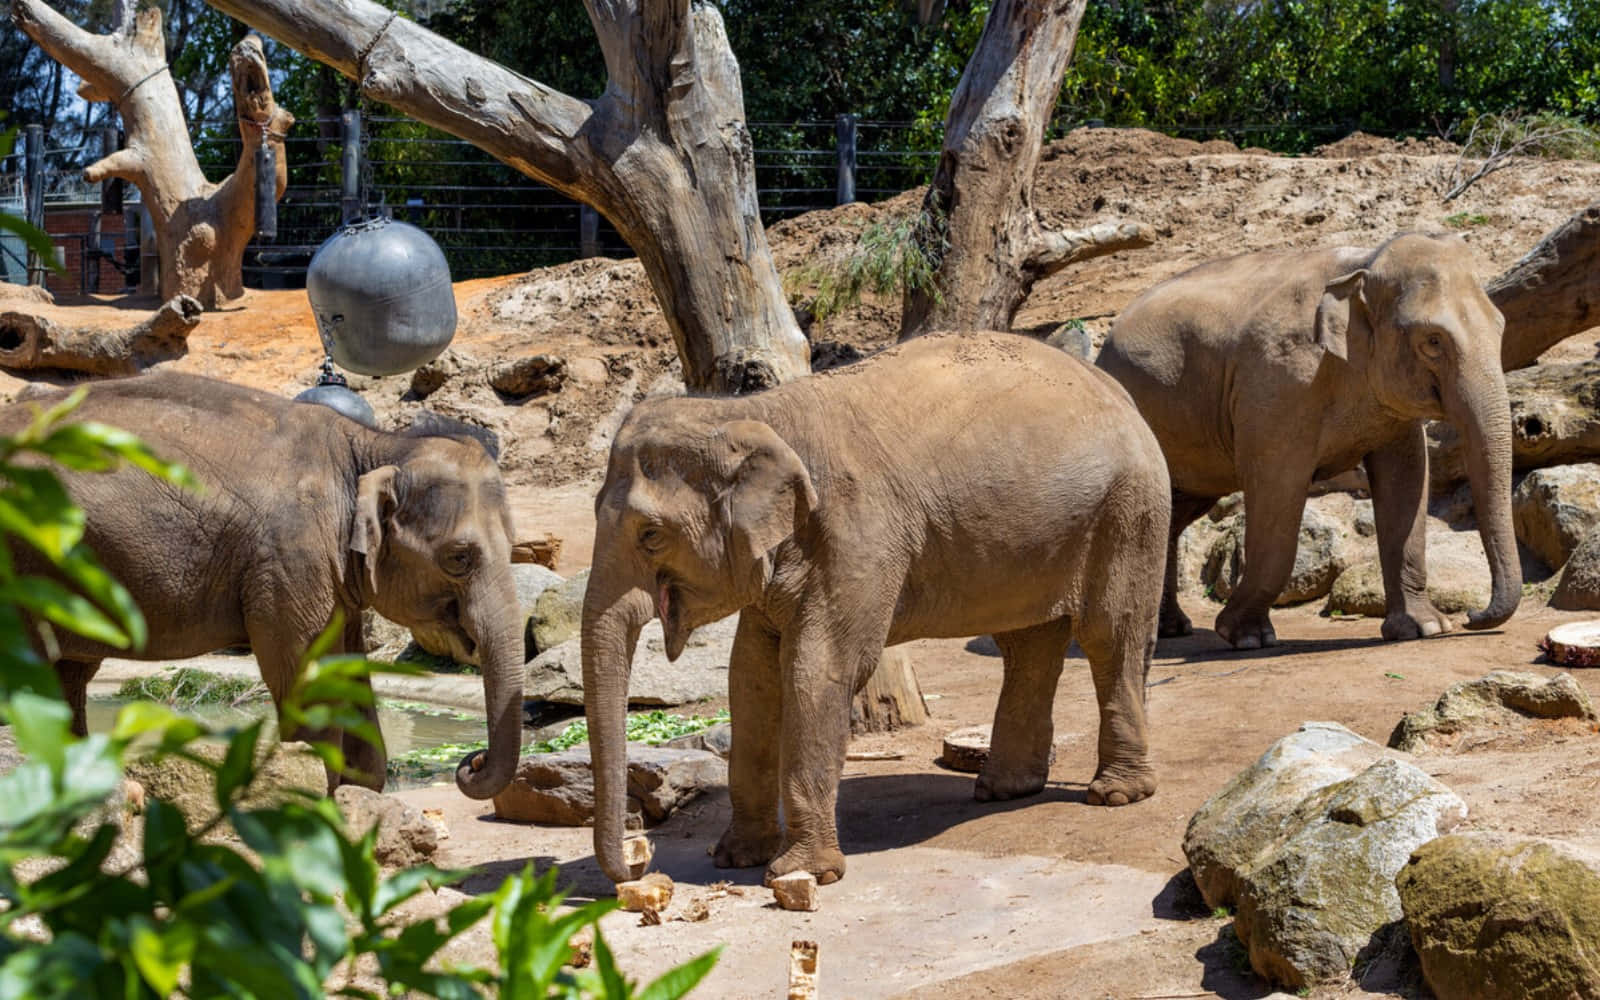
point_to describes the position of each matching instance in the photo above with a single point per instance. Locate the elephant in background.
(1267, 371)
(302, 512)
(950, 486)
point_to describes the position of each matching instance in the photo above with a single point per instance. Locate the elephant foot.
(1120, 786)
(736, 850)
(1174, 623)
(1000, 787)
(1246, 629)
(826, 863)
(1417, 620)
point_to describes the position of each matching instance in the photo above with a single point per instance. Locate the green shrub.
(187, 687)
(298, 915)
(891, 256)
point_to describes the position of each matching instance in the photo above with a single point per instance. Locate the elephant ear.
(375, 503)
(770, 495)
(1341, 303)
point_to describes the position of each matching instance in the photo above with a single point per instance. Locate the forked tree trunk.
(979, 227)
(201, 228)
(664, 154)
(1551, 293)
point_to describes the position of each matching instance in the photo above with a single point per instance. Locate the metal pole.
(844, 132)
(33, 196)
(350, 206)
(588, 231)
(102, 245)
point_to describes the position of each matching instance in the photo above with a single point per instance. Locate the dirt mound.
(1106, 143)
(1359, 144)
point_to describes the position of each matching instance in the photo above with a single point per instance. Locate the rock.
(1472, 713)
(718, 740)
(291, 772)
(1500, 917)
(530, 376)
(558, 788)
(1458, 577)
(1328, 543)
(1555, 508)
(653, 892)
(796, 891)
(1073, 337)
(1306, 843)
(431, 377)
(384, 639)
(1578, 589)
(701, 672)
(405, 837)
(636, 854)
(558, 613)
(544, 551)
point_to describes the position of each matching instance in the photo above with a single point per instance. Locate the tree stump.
(891, 699)
(1576, 644)
(29, 341)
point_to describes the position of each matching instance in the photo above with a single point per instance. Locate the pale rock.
(285, 772)
(1578, 588)
(557, 614)
(1555, 508)
(652, 892)
(796, 891)
(405, 836)
(1498, 705)
(636, 854)
(700, 673)
(558, 788)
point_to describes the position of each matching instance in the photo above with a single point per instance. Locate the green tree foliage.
(308, 910)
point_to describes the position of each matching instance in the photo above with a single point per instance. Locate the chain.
(361, 57)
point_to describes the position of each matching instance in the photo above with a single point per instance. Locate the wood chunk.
(803, 970)
(636, 854)
(540, 551)
(653, 892)
(1576, 644)
(796, 891)
(582, 945)
(967, 749)
(891, 699)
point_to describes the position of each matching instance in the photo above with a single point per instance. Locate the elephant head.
(433, 531)
(691, 507)
(1415, 316)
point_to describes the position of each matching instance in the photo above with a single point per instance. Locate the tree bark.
(30, 341)
(201, 228)
(891, 699)
(664, 154)
(1551, 293)
(979, 229)
(1555, 420)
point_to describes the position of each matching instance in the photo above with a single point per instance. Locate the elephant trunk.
(1477, 404)
(483, 774)
(614, 611)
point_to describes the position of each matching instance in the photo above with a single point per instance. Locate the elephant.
(1267, 371)
(954, 485)
(302, 513)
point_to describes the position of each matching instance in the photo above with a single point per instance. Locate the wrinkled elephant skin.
(951, 486)
(1267, 371)
(302, 513)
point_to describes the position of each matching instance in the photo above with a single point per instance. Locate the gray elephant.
(1267, 371)
(303, 512)
(951, 486)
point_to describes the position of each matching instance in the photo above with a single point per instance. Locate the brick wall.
(69, 226)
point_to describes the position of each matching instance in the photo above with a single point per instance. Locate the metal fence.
(488, 218)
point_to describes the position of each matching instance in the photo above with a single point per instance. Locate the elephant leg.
(1019, 749)
(365, 760)
(279, 667)
(1398, 475)
(755, 701)
(75, 676)
(1186, 510)
(1274, 499)
(1117, 631)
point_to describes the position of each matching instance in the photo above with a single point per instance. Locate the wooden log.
(891, 698)
(31, 342)
(1555, 420)
(1553, 292)
(1576, 644)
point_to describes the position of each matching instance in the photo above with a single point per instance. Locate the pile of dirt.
(1360, 144)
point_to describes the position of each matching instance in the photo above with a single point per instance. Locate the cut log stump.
(1576, 644)
(891, 698)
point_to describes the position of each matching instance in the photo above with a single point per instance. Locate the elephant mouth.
(669, 608)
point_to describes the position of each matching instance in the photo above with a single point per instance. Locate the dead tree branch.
(30, 341)
(1553, 292)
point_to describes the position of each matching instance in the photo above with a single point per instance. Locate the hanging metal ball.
(380, 291)
(335, 393)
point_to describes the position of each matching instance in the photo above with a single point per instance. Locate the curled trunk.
(613, 614)
(484, 773)
(1478, 406)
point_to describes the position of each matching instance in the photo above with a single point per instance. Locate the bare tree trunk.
(980, 229)
(891, 699)
(30, 341)
(664, 154)
(201, 228)
(1551, 293)
(1555, 420)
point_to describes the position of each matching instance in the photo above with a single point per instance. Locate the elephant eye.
(1433, 345)
(652, 539)
(458, 560)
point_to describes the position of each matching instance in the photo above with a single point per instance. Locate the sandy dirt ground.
(946, 897)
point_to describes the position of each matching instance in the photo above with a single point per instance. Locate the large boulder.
(1578, 589)
(1458, 576)
(1306, 843)
(557, 614)
(1328, 542)
(717, 739)
(1497, 707)
(558, 788)
(1554, 508)
(405, 837)
(701, 671)
(285, 771)
(1495, 916)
